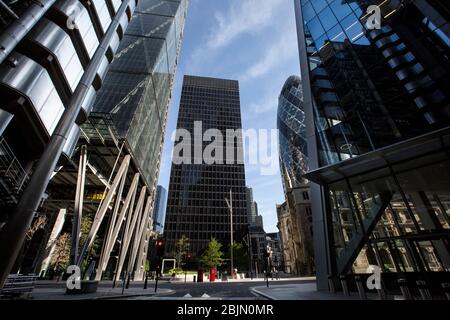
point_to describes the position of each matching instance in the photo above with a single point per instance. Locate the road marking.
(187, 295)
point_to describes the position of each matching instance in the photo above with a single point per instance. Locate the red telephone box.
(212, 274)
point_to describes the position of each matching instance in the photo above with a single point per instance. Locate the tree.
(240, 256)
(85, 228)
(181, 250)
(212, 257)
(39, 223)
(86, 224)
(61, 254)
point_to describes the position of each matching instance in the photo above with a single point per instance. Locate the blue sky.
(253, 41)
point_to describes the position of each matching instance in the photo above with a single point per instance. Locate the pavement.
(298, 291)
(46, 293)
(237, 289)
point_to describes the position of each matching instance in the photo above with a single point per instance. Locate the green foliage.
(240, 256)
(86, 224)
(61, 253)
(181, 250)
(212, 257)
(176, 271)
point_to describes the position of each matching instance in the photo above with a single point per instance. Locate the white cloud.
(242, 17)
(276, 55)
(268, 102)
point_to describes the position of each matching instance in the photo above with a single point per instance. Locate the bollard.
(124, 280)
(446, 287)
(344, 285)
(128, 280)
(361, 290)
(404, 288)
(423, 289)
(331, 284)
(146, 280)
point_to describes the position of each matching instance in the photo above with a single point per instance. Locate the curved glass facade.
(291, 125)
(293, 150)
(377, 106)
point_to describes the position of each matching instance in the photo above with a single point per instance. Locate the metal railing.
(11, 171)
(18, 285)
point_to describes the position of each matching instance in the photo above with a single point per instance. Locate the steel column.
(105, 205)
(128, 233)
(78, 207)
(139, 232)
(142, 256)
(112, 223)
(112, 240)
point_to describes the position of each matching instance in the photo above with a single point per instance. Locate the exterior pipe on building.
(8, 10)
(13, 234)
(11, 36)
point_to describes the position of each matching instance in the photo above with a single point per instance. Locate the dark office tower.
(196, 204)
(159, 210)
(377, 115)
(293, 165)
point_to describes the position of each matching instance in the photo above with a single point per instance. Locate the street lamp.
(230, 207)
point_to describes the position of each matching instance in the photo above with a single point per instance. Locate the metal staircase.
(13, 177)
(347, 256)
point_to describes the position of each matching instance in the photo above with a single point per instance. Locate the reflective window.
(328, 19)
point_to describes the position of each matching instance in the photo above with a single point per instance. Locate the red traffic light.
(159, 243)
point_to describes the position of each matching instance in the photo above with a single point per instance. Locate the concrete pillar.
(50, 247)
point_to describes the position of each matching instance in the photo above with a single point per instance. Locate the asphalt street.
(179, 289)
(219, 290)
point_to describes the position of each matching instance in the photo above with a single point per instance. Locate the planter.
(87, 286)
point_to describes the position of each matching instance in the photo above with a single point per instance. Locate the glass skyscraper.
(196, 204)
(137, 88)
(159, 209)
(377, 112)
(291, 124)
(293, 165)
(46, 53)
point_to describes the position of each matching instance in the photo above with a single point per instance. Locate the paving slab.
(102, 293)
(301, 291)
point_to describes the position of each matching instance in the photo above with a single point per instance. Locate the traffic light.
(160, 248)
